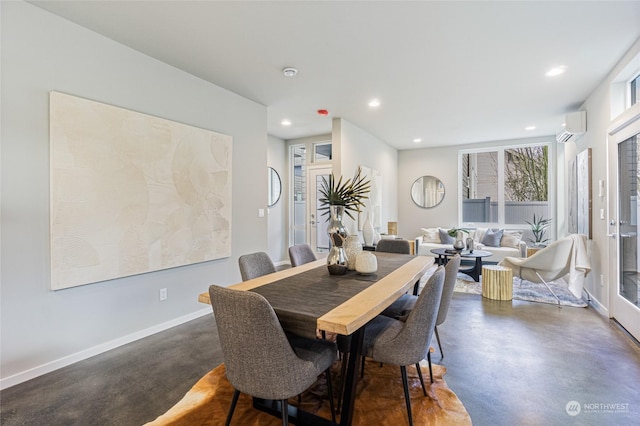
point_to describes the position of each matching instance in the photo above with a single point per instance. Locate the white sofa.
(511, 243)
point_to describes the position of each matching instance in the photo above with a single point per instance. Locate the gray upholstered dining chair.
(260, 359)
(300, 254)
(391, 341)
(255, 265)
(401, 307)
(394, 342)
(394, 246)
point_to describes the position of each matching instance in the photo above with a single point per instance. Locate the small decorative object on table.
(392, 228)
(366, 263)
(470, 244)
(353, 247)
(338, 198)
(457, 233)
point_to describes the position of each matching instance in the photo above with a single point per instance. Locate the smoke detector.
(289, 72)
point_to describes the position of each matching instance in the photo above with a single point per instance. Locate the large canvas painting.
(132, 193)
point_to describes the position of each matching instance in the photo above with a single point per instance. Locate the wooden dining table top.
(308, 296)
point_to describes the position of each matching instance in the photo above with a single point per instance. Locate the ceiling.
(445, 72)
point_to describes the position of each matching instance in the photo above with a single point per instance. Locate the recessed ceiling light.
(528, 128)
(289, 72)
(417, 140)
(555, 71)
(285, 122)
(374, 103)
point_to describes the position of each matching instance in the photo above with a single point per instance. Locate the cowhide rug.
(380, 401)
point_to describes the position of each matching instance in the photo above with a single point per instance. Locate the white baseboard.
(40, 370)
(599, 307)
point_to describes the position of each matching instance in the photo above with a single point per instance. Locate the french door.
(624, 140)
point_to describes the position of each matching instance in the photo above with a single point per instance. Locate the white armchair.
(564, 257)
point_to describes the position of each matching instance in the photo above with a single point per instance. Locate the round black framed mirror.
(427, 191)
(275, 186)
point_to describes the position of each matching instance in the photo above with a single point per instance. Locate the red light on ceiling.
(323, 112)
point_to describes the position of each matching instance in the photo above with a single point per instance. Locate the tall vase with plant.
(539, 226)
(337, 198)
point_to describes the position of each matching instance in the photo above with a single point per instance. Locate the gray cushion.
(301, 254)
(492, 237)
(445, 238)
(394, 342)
(389, 245)
(260, 359)
(255, 265)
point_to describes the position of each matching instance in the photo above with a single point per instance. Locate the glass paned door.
(625, 304)
(319, 239)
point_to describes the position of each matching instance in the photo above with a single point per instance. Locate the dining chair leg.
(438, 340)
(234, 401)
(330, 392)
(407, 397)
(285, 413)
(430, 369)
(362, 367)
(424, 390)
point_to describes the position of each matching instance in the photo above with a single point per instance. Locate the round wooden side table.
(497, 282)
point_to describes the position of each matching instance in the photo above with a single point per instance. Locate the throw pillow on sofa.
(511, 239)
(445, 238)
(492, 237)
(430, 235)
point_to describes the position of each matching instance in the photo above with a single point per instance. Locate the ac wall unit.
(575, 126)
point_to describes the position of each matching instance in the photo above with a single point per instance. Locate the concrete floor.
(510, 363)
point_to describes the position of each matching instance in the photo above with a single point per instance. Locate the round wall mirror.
(275, 186)
(427, 191)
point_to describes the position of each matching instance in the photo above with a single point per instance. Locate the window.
(505, 186)
(634, 88)
(322, 152)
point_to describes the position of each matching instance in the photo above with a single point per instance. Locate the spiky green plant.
(348, 193)
(538, 227)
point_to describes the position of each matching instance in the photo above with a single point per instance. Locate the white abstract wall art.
(132, 193)
(372, 205)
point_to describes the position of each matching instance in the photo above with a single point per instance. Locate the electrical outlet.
(163, 294)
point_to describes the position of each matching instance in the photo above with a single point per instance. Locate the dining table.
(307, 299)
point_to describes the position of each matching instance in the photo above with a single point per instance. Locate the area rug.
(526, 290)
(379, 401)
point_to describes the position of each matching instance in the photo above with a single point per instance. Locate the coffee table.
(475, 271)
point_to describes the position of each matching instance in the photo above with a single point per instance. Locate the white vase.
(353, 248)
(366, 263)
(368, 231)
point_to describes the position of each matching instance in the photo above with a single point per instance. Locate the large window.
(505, 186)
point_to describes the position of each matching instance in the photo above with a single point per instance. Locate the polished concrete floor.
(510, 363)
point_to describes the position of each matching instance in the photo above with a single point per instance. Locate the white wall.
(277, 214)
(41, 329)
(353, 147)
(599, 117)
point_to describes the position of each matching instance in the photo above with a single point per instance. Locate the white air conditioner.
(575, 126)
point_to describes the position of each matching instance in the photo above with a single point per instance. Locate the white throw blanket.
(566, 256)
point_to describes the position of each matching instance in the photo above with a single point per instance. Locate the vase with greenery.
(339, 197)
(539, 226)
(458, 236)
